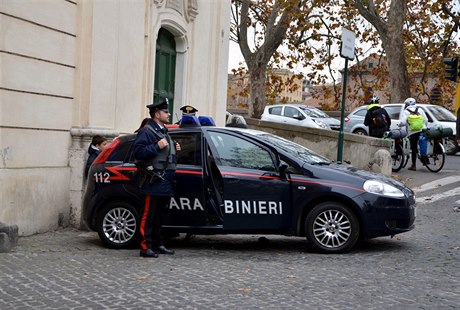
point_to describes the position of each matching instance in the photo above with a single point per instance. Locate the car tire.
(118, 225)
(331, 228)
(361, 132)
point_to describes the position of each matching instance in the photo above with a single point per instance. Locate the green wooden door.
(165, 68)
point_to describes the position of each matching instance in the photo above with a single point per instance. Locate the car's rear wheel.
(361, 132)
(117, 225)
(331, 227)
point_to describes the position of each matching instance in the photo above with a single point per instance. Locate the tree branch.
(243, 26)
(455, 18)
(371, 15)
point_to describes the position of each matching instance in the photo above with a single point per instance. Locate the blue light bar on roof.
(193, 121)
(206, 121)
(189, 121)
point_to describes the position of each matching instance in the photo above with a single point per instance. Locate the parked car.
(298, 114)
(237, 181)
(318, 114)
(437, 116)
(354, 122)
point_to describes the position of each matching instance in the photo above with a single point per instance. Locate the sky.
(234, 56)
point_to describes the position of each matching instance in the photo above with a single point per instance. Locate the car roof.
(394, 104)
(417, 104)
(293, 105)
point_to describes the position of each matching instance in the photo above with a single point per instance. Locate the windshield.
(296, 150)
(313, 112)
(442, 114)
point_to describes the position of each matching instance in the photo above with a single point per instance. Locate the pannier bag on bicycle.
(423, 145)
(396, 133)
(438, 132)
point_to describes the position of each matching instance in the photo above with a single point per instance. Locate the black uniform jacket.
(146, 148)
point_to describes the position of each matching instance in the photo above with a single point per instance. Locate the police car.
(234, 180)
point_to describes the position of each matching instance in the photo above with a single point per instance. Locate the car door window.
(275, 110)
(236, 152)
(428, 116)
(292, 167)
(291, 112)
(441, 114)
(393, 111)
(361, 112)
(190, 143)
(123, 152)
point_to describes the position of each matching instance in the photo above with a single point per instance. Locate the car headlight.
(381, 188)
(321, 124)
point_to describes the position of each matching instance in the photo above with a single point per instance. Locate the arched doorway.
(165, 67)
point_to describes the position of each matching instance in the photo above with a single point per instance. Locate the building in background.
(238, 95)
(76, 68)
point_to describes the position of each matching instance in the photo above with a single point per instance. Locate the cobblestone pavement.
(70, 269)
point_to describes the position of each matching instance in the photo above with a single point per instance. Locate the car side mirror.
(282, 168)
(299, 117)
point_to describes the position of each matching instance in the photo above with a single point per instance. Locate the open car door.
(253, 195)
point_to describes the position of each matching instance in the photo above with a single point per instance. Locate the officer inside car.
(187, 110)
(155, 157)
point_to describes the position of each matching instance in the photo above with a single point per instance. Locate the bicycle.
(399, 149)
(435, 155)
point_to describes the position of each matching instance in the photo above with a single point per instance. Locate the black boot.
(163, 250)
(148, 253)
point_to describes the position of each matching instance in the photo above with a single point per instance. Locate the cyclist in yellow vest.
(377, 118)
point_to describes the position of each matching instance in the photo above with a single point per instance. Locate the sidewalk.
(70, 269)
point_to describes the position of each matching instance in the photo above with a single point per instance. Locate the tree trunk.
(257, 91)
(257, 61)
(391, 34)
(397, 67)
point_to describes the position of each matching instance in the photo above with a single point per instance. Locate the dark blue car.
(232, 180)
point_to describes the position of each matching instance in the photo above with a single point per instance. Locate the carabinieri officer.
(155, 155)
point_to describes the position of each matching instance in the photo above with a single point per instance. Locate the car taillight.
(106, 152)
(346, 119)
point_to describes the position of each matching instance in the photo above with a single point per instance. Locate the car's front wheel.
(117, 225)
(331, 227)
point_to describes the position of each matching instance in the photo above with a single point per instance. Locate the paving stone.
(70, 269)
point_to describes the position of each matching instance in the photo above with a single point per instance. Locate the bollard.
(8, 237)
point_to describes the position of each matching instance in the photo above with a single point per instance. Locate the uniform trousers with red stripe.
(150, 229)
